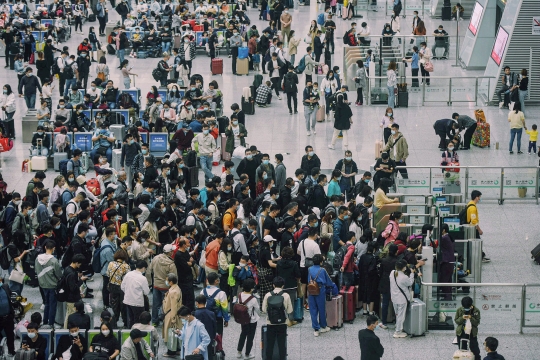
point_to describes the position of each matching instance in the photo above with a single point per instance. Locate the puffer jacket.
(9, 102)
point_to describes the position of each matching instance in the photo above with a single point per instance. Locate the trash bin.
(238, 154)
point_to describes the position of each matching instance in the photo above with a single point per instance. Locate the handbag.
(428, 66)
(161, 314)
(17, 275)
(308, 262)
(202, 262)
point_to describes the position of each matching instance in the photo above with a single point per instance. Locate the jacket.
(288, 269)
(171, 303)
(159, 268)
(347, 183)
(370, 345)
(182, 50)
(292, 79)
(136, 290)
(20, 223)
(229, 146)
(391, 231)
(494, 356)
(281, 175)
(106, 255)
(348, 260)
(30, 84)
(198, 339)
(318, 45)
(340, 232)
(310, 64)
(208, 318)
(129, 352)
(9, 102)
(293, 45)
(444, 126)
(318, 198)
(48, 271)
(460, 321)
(73, 283)
(402, 282)
(262, 94)
(400, 145)
(309, 163)
(65, 343)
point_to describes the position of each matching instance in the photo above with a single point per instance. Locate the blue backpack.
(211, 301)
(96, 258)
(301, 66)
(320, 19)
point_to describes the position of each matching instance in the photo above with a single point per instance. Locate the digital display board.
(500, 45)
(475, 18)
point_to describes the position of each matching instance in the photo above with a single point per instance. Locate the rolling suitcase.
(119, 132)
(415, 319)
(275, 353)
(86, 161)
(403, 99)
(298, 313)
(463, 352)
(58, 156)
(217, 66)
(321, 114)
(482, 134)
(349, 306)
(116, 155)
(535, 254)
(334, 312)
(446, 13)
(225, 156)
(379, 146)
(358, 302)
(248, 107)
(39, 163)
(242, 66)
(194, 176)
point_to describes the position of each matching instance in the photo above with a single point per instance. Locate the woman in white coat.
(7, 102)
(401, 279)
(328, 86)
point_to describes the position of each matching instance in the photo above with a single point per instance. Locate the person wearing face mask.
(40, 142)
(398, 149)
(235, 134)
(333, 185)
(31, 85)
(130, 149)
(425, 57)
(171, 303)
(7, 103)
(348, 170)
(105, 341)
(116, 270)
(137, 166)
(34, 341)
(207, 146)
(450, 155)
(74, 343)
(50, 272)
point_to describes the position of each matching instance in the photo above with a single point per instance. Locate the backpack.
(96, 258)
(62, 166)
(68, 72)
(463, 215)
(68, 255)
(276, 308)
(55, 68)
(211, 301)
(301, 66)
(5, 260)
(320, 19)
(124, 228)
(298, 233)
(125, 101)
(258, 203)
(156, 74)
(59, 201)
(339, 256)
(241, 311)
(61, 291)
(313, 287)
(346, 39)
(288, 83)
(3, 216)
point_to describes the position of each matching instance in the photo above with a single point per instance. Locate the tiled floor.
(510, 231)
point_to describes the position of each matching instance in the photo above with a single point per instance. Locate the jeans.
(293, 57)
(317, 307)
(501, 91)
(532, 146)
(102, 24)
(93, 154)
(275, 333)
(165, 46)
(157, 301)
(247, 335)
(513, 133)
(133, 313)
(294, 97)
(16, 287)
(327, 102)
(30, 101)
(42, 152)
(50, 307)
(391, 96)
(401, 311)
(68, 85)
(345, 134)
(384, 307)
(127, 83)
(111, 104)
(206, 166)
(310, 114)
(522, 96)
(121, 53)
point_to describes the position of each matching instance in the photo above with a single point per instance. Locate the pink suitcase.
(334, 312)
(225, 156)
(379, 146)
(349, 306)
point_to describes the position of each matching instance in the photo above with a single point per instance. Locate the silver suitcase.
(119, 132)
(415, 319)
(116, 155)
(58, 156)
(86, 162)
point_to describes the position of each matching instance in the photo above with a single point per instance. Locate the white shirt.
(138, 286)
(311, 249)
(252, 305)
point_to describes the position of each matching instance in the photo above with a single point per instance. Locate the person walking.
(398, 149)
(516, 118)
(370, 344)
(401, 279)
(290, 87)
(248, 330)
(31, 84)
(391, 83)
(343, 118)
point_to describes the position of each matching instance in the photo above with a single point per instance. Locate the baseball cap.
(106, 315)
(268, 238)
(136, 333)
(168, 248)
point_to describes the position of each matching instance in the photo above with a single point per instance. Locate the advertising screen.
(475, 18)
(500, 44)
(158, 143)
(83, 141)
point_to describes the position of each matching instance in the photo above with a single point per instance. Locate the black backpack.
(258, 203)
(5, 260)
(55, 68)
(346, 39)
(463, 214)
(276, 308)
(288, 83)
(68, 72)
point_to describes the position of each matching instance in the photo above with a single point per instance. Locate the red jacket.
(82, 48)
(348, 261)
(352, 39)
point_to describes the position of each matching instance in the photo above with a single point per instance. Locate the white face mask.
(106, 332)
(74, 334)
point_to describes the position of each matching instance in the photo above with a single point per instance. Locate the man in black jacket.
(370, 344)
(249, 166)
(318, 46)
(184, 262)
(310, 160)
(262, 48)
(8, 38)
(6, 316)
(364, 211)
(75, 343)
(73, 281)
(317, 196)
(83, 64)
(445, 128)
(122, 10)
(30, 84)
(290, 82)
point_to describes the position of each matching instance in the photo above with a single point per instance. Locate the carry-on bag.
(349, 306)
(334, 312)
(415, 319)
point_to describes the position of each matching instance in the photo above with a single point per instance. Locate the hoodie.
(288, 269)
(48, 271)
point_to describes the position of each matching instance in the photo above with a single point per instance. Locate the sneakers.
(290, 112)
(309, 133)
(42, 307)
(239, 355)
(306, 306)
(279, 97)
(365, 313)
(251, 356)
(291, 323)
(529, 153)
(486, 260)
(331, 147)
(501, 104)
(316, 333)
(314, 132)
(326, 329)
(296, 111)
(382, 326)
(400, 334)
(511, 152)
(520, 152)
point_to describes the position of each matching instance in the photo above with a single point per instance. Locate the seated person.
(441, 40)
(72, 346)
(183, 137)
(212, 95)
(187, 112)
(196, 125)
(106, 341)
(95, 94)
(44, 114)
(59, 126)
(140, 127)
(61, 141)
(34, 341)
(80, 121)
(263, 92)
(168, 114)
(135, 346)
(206, 113)
(142, 9)
(40, 142)
(144, 24)
(87, 102)
(455, 10)
(194, 95)
(103, 141)
(79, 318)
(137, 38)
(144, 325)
(151, 39)
(74, 98)
(110, 94)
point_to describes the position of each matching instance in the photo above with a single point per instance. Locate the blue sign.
(453, 224)
(144, 137)
(83, 141)
(159, 143)
(38, 36)
(444, 211)
(88, 114)
(163, 95)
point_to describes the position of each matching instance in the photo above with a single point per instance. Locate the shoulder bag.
(308, 262)
(403, 292)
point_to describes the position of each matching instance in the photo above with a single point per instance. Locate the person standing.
(468, 313)
(207, 146)
(235, 41)
(490, 345)
(50, 272)
(277, 304)
(398, 149)
(425, 57)
(293, 47)
(102, 16)
(248, 330)
(447, 260)
(348, 170)
(523, 90)
(73, 279)
(391, 83)
(31, 85)
(311, 99)
(414, 60)
(184, 262)
(136, 292)
(286, 20)
(7, 315)
(172, 302)
(370, 344)
(290, 86)
(343, 117)
(401, 279)
(195, 339)
(317, 302)
(318, 45)
(7, 103)
(360, 82)
(517, 123)
(161, 266)
(473, 219)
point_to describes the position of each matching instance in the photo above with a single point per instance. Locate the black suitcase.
(248, 107)
(193, 176)
(111, 50)
(446, 13)
(276, 349)
(223, 122)
(536, 254)
(403, 99)
(91, 18)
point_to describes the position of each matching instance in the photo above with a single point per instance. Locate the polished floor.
(510, 230)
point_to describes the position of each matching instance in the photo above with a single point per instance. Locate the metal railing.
(498, 181)
(408, 7)
(426, 293)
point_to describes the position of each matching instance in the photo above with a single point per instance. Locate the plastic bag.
(468, 327)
